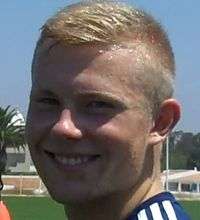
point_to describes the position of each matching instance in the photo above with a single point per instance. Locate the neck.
(114, 207)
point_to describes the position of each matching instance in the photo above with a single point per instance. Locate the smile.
(73, 160)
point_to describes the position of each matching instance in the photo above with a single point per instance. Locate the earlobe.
(167, 118)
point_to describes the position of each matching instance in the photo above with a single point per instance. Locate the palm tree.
(11, 135)
(11, 132)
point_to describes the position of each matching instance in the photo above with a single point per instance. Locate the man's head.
(102, 81)
(115, 24)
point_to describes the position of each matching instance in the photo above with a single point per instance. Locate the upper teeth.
(72, 160)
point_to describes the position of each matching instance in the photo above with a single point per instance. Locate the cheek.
(37, 126)
(123, 129)
(123, 138)
(124, 146)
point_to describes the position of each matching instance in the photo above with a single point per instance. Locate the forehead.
(102, 67)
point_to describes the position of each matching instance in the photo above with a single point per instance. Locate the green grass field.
(192, 208)
(43, 208)
(34, 208)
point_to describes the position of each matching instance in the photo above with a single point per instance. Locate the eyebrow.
(105, 95)
(41, 91)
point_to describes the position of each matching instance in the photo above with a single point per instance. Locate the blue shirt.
(162, 206)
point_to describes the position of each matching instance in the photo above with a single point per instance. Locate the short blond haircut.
(109, 22)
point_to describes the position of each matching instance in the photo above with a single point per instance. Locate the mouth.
(73, 160)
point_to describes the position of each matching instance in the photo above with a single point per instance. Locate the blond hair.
(109, 22)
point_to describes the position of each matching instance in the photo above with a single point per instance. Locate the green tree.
(196, 140)
(11, 135)
(194, 159)
(11, 132)
(181, 149)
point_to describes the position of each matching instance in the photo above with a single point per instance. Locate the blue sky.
(20, 21)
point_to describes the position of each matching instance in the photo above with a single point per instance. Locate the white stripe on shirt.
(142, 215)
(169, 210)
(155, 211)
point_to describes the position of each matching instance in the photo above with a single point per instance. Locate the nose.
(65, 126)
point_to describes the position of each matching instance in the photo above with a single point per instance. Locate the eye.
(48, 101)
(99, 105)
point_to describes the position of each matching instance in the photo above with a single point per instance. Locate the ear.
(167, 118)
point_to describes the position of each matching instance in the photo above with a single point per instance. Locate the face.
(87, 127)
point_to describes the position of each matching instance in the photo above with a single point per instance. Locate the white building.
(185, 183)
(18, 160)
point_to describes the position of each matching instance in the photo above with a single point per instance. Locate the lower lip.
(76, 167)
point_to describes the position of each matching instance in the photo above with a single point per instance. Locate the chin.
(70, 197)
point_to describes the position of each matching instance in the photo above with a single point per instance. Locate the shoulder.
(4, 213)
(162, 206)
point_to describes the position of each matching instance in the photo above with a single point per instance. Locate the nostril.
(68, 129)
(50, 154)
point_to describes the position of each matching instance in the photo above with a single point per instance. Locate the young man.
(100, 109)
